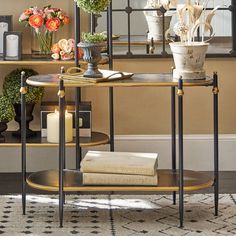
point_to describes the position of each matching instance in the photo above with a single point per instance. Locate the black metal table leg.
(216, 141)
(111, 111)
(61, 94)
(181, 177)
(173, 135)
(23, 91)
(110, 55)
(78, 150)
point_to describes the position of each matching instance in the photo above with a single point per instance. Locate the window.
(130, 30)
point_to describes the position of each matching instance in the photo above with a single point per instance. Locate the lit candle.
(12, 45)
(53, 127)
(3, 28)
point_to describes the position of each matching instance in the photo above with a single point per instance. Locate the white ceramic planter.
(155, 26)
(189, 60)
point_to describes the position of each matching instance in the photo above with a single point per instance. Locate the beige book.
(120, 163)
(119, 179)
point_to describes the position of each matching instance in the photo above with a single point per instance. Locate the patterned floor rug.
(117, 215)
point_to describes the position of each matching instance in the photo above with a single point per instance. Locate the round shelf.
(168, 181)
(96, 138)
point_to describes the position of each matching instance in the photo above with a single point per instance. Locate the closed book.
(120, 163)
(119, 179)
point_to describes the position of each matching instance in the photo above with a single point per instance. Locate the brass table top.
(137, 80)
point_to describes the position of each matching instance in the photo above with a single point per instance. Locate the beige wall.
(139, 110)
(147, 110)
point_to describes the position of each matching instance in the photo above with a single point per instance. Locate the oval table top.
(137, 80)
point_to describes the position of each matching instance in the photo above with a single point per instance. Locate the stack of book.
(119, 168)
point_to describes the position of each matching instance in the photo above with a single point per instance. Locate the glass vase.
(42, 41)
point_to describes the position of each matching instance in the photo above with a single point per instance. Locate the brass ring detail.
(215, 90)
(23, 90)
(180, 92)
(61, 93)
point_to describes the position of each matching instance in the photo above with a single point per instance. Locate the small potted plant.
(7, 113)
(189, 55)
(92, 45)
(155, 18)
(93, 6)
(11, 89)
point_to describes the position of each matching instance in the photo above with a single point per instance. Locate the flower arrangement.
(93, 6)
(64, 49)
(44, 22)
(192, 16)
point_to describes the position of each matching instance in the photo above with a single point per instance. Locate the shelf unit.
(61, 180)
(29, 61)
(173, 180)
(97, 138)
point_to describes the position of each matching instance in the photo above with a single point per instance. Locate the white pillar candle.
(3, 28)
(53, 127)
(12, 44)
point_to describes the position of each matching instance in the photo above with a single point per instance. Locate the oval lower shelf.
(168, 181)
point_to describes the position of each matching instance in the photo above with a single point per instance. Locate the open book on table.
(108, 75)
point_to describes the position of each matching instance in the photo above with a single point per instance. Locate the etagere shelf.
(172, 180)
(64, 180)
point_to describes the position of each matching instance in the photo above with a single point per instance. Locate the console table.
(172, 180)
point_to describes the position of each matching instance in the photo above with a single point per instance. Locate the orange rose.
(80, 53)
(53, 24)
(36, 21)
(55, 48)
(66, 20)
(28, 11)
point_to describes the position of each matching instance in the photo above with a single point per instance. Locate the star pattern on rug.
(118, 215)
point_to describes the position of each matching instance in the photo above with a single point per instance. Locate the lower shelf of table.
(168, 181)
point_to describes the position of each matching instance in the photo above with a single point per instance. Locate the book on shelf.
(119, 179)
(120, 163)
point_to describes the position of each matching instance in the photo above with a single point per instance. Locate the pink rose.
(55, 56)
(23, 17)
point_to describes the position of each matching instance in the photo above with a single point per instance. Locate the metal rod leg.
(181, 182)
(111, 111)
(23, 91)
(77, 136)
(64, 164)
(61, 95)
(216, 142)
(78, 91)
(173, 135)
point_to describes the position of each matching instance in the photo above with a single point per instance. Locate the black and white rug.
(117, 215)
